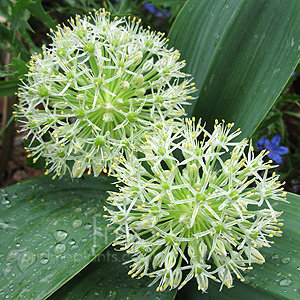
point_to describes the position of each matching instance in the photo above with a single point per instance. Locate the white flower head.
(206, 215)
(95, 90)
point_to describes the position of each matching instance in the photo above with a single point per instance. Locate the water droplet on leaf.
(286, 282)
(76, 223)
(60, 235)
(25, 260)
(59, 248)
(71, 241)
(74, 247)
(44, 258)
(87, 226)
(286, 260)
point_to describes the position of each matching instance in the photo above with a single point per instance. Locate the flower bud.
(202, 249)
(220, 248)
(177, 276)
(125, 85)
(158, 260)
(254, 256)
(193, 172)
(170, 259)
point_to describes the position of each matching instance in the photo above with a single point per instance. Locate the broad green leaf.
(50, 230)
(240, 53)
(106, 278)
(279, 277)
(9, 87)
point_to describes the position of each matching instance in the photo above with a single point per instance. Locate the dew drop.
(4, 201)
(25, 260)
(87, 226)
(59, 248)
(76, 223)
(78, 210)
(71, 241)
(286, 260)
(12, 255)
(84, 241)
(275, 256)
(112, 295)
(74, 247)
(286, 282)
(60, 235)
(7, 270)
(90, 211)
(44, 259)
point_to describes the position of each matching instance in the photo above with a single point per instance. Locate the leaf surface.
(240, 53)
(106, 278)
(50, 230)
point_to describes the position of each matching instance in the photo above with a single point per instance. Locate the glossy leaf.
(241, 54)
(279, 277)
(106, 278)
(50, 230)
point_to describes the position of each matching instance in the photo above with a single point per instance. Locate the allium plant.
(205, 216)
(95, 90)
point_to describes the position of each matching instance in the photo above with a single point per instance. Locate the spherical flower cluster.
(95, 89)
(205, 216)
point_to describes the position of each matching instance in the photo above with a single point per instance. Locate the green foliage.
(284, 119)
(51, 230)
(8, 87)
(18, 33)
(106, 278)
(238, 65)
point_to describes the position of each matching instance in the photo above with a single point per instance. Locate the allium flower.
(95, 89)
(274, 150)
(204, 217)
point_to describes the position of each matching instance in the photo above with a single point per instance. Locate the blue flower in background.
(153, 10)
(275, 151)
